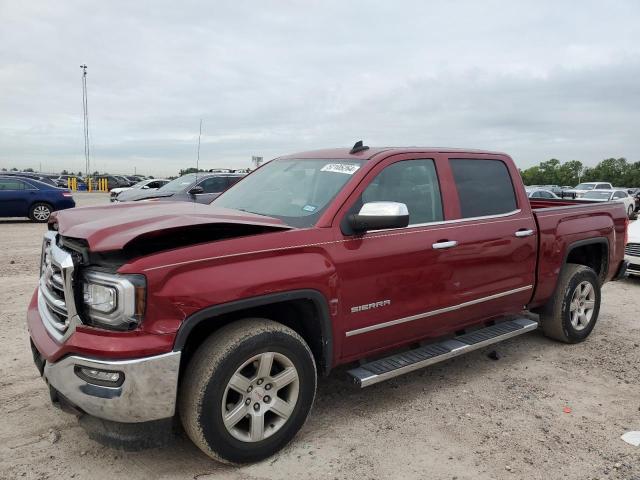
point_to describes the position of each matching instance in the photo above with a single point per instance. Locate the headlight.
(113, 301)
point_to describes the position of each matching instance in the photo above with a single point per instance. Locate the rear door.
(495, 254)
(13, 198)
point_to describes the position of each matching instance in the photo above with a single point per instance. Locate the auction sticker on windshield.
(348, 168)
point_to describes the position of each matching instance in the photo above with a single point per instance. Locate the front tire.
(573, 311)
(630, 211)
(247, 390)
(40, 212)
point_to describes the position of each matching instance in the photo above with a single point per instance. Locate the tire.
(239, 350)
(630, 211)
(565, 305)
(40, 212)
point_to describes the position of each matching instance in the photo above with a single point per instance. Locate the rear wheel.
(40, 212)
(630, 211)
(573, 311)
(247, 391)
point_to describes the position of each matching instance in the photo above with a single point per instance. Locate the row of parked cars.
(592, 192)
(37, 196)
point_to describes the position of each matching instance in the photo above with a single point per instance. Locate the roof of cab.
(345, 153)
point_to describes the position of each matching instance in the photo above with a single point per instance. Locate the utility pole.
(85, 112)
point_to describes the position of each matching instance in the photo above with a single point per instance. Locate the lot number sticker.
(348, 168)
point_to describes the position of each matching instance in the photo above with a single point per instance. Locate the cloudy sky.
(535, 79)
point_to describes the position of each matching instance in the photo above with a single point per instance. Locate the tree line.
(617, 171)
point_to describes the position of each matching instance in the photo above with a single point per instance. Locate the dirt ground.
(468, 418)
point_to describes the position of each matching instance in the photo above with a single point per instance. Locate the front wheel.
(573, 311)
(247, 390)
(630, 211)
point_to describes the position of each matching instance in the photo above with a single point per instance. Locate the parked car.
(139, 189)
(540, 193)
(34, 176)
(193, 187)
(26, 197)
(63, 181)
(620, 196)
(632, 249)
(224, 314)
(635, 193)
(585, 187)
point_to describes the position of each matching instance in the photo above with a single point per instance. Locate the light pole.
(85, 112)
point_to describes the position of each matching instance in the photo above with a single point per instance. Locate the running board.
(401, 363)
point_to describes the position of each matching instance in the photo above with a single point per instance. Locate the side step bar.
(401, 363)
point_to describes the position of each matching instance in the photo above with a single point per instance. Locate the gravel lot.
(470, 417)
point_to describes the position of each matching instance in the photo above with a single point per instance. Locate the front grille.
(632, 249)
(55, 294)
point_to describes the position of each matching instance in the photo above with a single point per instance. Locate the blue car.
(25, 197)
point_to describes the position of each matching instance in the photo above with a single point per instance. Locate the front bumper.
(634, 264)
(147, 393)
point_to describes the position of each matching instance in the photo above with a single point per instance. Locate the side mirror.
(379, 216)
(197, 190)
(145, 187)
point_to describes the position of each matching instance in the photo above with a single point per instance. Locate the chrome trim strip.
(419, 316)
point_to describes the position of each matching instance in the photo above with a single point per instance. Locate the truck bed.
(565, 223)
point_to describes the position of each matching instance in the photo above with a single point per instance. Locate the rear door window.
(11, 185)
(484, 187)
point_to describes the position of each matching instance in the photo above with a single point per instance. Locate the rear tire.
(573, 310)
(630, 211)
(40, 212)
(247, 390)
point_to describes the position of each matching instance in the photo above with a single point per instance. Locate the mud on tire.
(253, 370)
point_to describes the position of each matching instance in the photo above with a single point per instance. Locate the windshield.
(294, 191)
(178, 184)
(140, 184)
(597, 195)
(586, 186)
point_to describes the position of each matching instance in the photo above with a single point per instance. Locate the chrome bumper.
(148, 392)
(634, 264)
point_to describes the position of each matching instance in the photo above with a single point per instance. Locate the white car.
(585, 187)
(147, 185)
(612, 196)
(632, 250)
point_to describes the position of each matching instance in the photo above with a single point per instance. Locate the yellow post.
(89, 184)
(69, 182)
(74, 184)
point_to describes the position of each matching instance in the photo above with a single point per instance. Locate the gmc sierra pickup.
(224, 315)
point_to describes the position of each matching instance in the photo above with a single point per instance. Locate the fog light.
(105, 378)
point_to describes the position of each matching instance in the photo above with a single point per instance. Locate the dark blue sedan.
(25, 197)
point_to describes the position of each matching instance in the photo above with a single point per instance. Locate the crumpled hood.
(111, 227)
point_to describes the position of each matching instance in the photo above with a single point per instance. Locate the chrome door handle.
(524, 233)
(441, 245)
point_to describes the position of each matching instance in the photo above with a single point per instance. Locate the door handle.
(444, 244)
(524, 233)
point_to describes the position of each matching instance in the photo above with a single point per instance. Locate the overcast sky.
(535, 79)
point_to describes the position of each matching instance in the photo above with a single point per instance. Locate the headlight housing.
(113, 301)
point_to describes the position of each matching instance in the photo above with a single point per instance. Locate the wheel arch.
(306, 311)
(592, 253)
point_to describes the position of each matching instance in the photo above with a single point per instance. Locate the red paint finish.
(398, 267)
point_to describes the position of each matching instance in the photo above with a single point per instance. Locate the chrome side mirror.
(379, 216)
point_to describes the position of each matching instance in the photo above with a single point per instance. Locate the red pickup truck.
(224, 315)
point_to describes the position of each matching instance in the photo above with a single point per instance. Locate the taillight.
(626, 230)
(67, 194)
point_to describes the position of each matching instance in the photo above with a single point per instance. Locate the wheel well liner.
(584, 252)
(291, 304)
